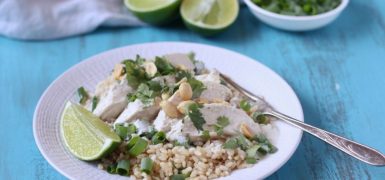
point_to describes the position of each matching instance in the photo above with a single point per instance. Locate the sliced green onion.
(139, 147)
(260, 118)
(251, 154)
(132, 142)
(146, 165)
(131, 129)
(243, 142)
(158, 137)
(83, 95)
(121, 130)
(111, 169)
(245, 105)
(123, 167)
(230, 144)
(95, 102)
(178, 177)
(251, 160)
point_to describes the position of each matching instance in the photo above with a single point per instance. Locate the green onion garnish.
(230, 144)
(95, 101)
(83, 95)
(123, 167)
(245, 105)
(146, 165)
(251, 154)
(138, 148)
(158, 137)
(121, 131)
(111, 169)
(132, 142)
(260, 118)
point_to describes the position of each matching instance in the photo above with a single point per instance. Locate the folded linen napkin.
(50, 19)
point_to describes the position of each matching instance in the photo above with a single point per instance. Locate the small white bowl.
(296, 23)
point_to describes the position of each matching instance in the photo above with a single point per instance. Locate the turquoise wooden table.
(337, 72)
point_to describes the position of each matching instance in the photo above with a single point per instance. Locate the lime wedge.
(85, 135)
(209, 17)
(154, 12)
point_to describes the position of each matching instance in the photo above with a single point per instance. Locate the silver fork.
(359, 151)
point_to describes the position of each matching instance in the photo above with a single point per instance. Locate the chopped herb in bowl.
(298, 7)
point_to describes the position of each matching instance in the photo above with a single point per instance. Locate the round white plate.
(247, 72)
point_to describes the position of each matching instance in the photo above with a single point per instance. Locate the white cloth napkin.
(50, 19)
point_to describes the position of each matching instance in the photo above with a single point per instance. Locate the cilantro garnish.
(222, 122)
(164, 67)
(135, 74)
(196, 116)
(146, 92)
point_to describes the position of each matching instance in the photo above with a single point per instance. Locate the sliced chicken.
(215, 92)
(213, 76)
(137, 110)
(112, 96)
(181, 60)
(211, 112)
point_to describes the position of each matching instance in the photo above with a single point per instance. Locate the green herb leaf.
(146, 92)
(83, 95)
(222, 122)
(196, 116)
(135, 74)
(205, 135)
(197, 87)
(164, 67)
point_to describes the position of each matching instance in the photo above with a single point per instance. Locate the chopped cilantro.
(164, 67)
(222, 122)
(197, 86)
(239, 141)
(196, 116)
(205, 135)
(146, 92)
(135, 74)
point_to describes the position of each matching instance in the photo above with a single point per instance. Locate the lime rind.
(156, 15)
(85, 135)
(209, 17)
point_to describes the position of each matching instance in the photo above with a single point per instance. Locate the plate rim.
(89, 59)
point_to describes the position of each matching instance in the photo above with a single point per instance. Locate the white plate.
(247, 72)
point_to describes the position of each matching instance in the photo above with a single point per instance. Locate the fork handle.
(359, 151)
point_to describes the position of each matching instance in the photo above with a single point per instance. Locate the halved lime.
(155, 12)
(209, 17)
(85, 135)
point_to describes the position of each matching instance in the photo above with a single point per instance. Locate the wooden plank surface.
(337, 72)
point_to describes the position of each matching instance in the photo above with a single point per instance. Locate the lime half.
(209, 17)
(154, 12)
(85, 135)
